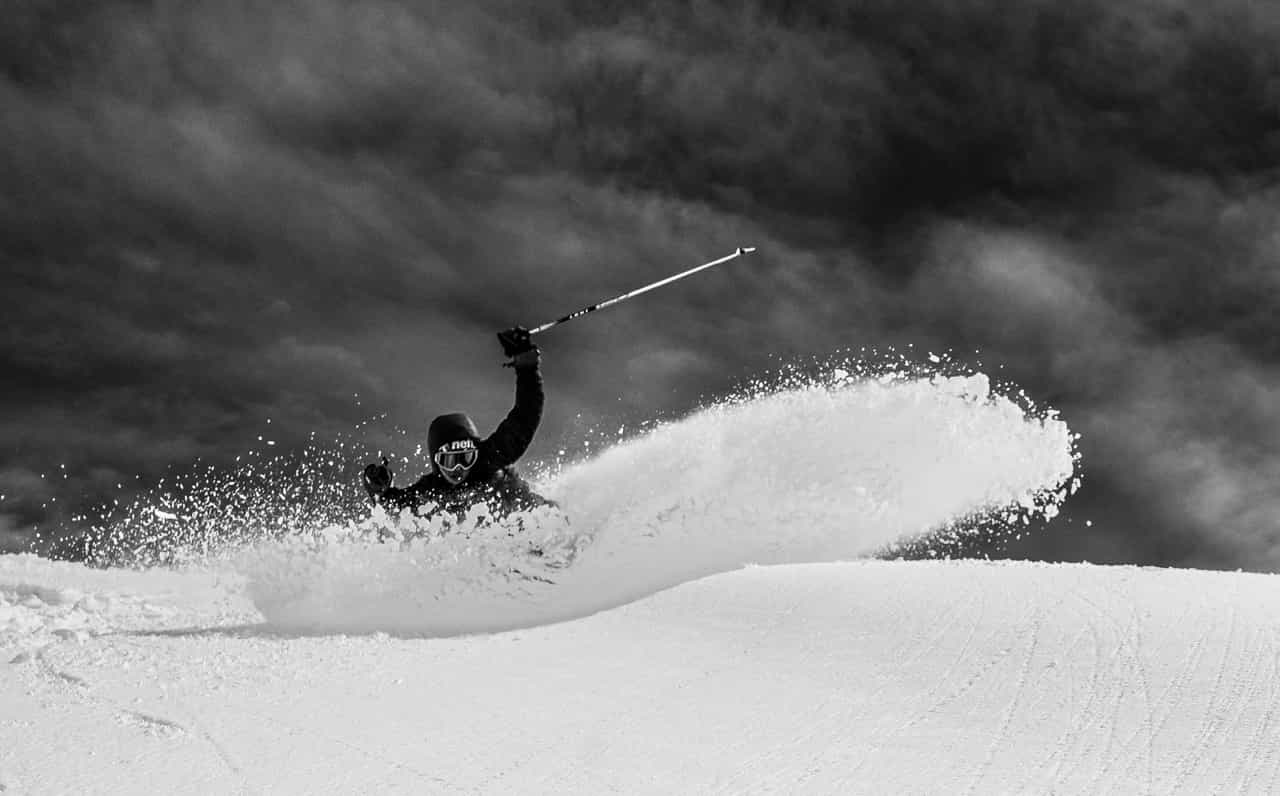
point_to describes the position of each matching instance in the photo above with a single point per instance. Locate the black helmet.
(457, 436)
(450, 428)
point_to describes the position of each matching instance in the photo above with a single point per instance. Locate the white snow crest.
(833, 469)
(822, 472)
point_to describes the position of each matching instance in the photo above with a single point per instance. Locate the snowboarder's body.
(465, 469)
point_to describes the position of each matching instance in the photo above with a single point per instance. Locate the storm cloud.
(219, 213)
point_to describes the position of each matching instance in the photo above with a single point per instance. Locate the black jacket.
(492, 480)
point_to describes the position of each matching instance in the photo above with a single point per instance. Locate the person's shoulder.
(490, 456)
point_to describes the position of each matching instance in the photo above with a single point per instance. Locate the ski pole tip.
(746, 249)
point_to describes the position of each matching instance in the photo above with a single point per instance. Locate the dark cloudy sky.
(214, 213)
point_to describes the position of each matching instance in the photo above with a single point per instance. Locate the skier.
(466, 470)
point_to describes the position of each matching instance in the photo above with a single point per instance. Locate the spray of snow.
(819, 469)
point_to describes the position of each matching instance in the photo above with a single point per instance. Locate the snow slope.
(863, 677)
(643, 653)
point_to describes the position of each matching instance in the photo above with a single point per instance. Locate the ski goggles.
(452, 461)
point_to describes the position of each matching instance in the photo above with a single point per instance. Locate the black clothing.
(516, 341)
(505, 492)
(492, 479)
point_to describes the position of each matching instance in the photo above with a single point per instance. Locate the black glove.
(516, 341)
(518, 344)
(377, 479)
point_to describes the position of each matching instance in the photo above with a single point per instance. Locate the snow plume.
(190, 516)
(815, 469)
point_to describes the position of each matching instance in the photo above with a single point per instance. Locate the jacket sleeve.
(511, 438)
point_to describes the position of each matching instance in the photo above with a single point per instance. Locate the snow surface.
(643, 652)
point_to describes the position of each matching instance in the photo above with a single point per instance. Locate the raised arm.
(512, 437)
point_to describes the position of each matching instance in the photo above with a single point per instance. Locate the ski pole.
(632, 294)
